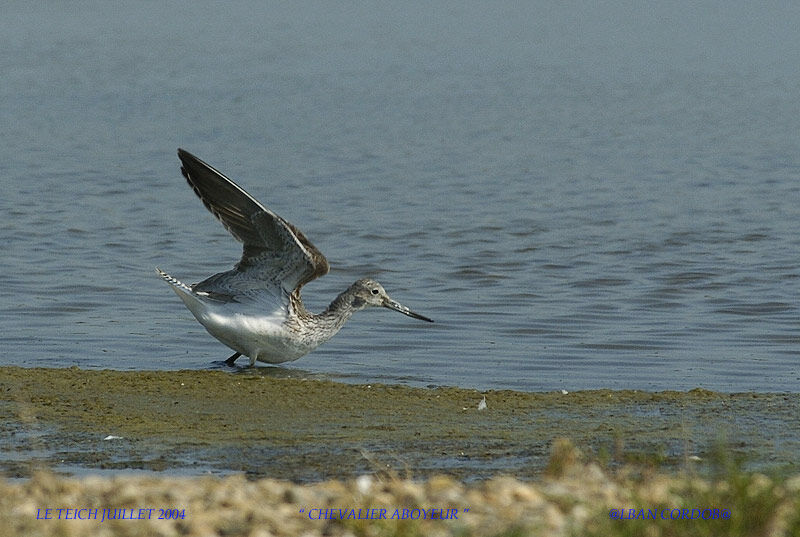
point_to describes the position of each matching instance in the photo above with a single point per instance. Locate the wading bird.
(255, 308)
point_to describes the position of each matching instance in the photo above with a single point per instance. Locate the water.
(581, 198)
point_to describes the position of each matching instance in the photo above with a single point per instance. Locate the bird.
(256, 308)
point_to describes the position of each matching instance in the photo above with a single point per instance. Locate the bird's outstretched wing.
(274, 250)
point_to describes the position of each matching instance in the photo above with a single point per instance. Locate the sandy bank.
(578, 499)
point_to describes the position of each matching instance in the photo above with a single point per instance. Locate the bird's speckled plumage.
(255, 308)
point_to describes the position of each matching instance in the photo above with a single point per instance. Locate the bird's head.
(367, 292)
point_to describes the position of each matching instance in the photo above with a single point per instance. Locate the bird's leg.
(233, 358)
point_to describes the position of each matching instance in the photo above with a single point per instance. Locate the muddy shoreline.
(211, 422)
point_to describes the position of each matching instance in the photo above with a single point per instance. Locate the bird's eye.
(374, 291)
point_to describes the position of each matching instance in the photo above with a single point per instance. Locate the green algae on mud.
(306, 430)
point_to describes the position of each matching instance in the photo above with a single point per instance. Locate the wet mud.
(196, 422)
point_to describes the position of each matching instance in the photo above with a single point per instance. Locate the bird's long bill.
(392, 305)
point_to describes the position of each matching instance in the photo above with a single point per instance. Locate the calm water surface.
(580, 199)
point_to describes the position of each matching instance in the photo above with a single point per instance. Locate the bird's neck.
(322, 326)
(340, 309)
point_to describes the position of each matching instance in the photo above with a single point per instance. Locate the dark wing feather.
(274, 250)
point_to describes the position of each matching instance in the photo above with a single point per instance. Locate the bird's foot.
(231, 361)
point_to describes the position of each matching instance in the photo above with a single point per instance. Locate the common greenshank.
(255, 308)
